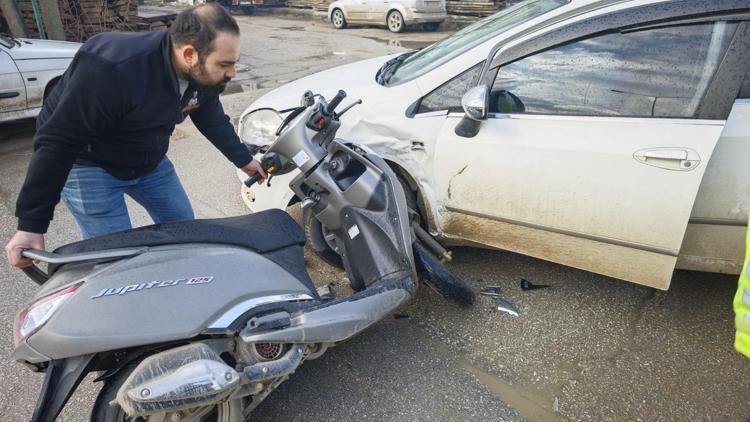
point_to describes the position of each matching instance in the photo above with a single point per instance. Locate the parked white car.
(611, 136)
(28, 70)
(395, 14)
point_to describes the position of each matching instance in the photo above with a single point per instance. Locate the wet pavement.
(588, 348)
(277, 49)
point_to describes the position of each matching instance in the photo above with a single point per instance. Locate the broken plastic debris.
(326, 292)
(527, 285)
(505, 306)
(339, 53)
(400, 316)
(491, 291)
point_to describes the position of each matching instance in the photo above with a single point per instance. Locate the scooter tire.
(314, 231)
(316, 237)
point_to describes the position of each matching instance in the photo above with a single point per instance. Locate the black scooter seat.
(263, 232)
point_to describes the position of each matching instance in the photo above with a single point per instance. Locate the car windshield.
(6, 41)
(469, 37)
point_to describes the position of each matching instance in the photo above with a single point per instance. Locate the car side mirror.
(474, 102)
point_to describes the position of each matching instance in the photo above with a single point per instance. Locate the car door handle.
(666, 154)
(9, 94)
(681, 159)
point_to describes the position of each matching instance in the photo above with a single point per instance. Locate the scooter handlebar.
(335, 101)
(253, 179)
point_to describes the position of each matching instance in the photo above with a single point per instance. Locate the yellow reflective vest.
(742, 305)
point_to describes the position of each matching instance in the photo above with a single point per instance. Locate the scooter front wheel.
(103, 411)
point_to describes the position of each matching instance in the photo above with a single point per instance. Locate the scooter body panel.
(167, 293)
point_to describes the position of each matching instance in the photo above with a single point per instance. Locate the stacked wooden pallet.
(83, 19)
(473, 7)
(309, 4)
(269, 3)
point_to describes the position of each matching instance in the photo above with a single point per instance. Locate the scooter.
(203, 319)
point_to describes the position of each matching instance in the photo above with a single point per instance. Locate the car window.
(745, 90)
(660, 72)
(448, 96)
(471, 36)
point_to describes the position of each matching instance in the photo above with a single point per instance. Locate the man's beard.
(199, 71)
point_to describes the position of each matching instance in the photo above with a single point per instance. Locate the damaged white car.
(611, 136)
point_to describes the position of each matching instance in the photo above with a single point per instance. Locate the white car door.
(356, 10)
(12, 89)
(593, 151)
(377, 10)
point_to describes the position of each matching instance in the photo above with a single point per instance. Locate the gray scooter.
(201, 320)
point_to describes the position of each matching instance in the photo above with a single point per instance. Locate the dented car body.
(613, 136)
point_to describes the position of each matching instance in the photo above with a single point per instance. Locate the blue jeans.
(97, 199)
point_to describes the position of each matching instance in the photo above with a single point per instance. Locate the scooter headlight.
(30, 319)
(259, 127)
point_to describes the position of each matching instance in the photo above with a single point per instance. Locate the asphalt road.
(589, 348)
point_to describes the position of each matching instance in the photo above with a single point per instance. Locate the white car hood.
(354, 78)
(43, 49)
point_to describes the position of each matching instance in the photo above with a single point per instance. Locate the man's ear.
(190, 55)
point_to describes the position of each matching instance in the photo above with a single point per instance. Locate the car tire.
(338, 19)
(431, 26)
(395, 21)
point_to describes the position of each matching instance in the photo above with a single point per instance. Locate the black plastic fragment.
(527, 285)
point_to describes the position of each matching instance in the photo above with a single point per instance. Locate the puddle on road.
(528, 405)
(408, 44)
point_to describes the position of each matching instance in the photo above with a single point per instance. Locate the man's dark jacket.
(115, 107)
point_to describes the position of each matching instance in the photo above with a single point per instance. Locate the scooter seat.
(263, 232)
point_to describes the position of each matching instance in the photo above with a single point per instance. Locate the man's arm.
(214, 124)
(90, 101)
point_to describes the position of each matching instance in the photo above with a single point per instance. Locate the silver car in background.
(396, 15)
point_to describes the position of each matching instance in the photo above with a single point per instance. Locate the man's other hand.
(18, 243)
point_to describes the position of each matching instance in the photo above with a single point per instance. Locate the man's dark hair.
(199, 25)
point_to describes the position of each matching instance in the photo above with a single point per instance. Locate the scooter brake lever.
(349, 107)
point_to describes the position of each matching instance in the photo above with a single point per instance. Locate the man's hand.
(254, 167)
(21, 241)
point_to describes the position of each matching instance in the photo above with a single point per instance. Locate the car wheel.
(395, 21)
(338, 19)
(431, 26)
